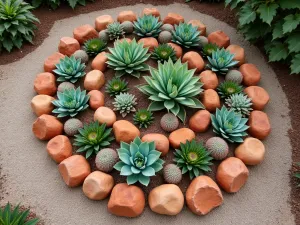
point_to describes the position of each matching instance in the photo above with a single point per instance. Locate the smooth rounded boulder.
(96, 99)
(173, 18)
(59, 148)
(177, 48)
(194, 61)
(127, 16)
(94, 80)
(239, 53)
(149, 42)
(181, 136)
(209, 79)
(151, 11)
(251, 75)
(219, 38)
(51, 61)
(259, 124)
(68, 46)
(84, 33)
(200, 121)
(46, 127)
(160, 140)
(45, 84)
(125, 131)
(259, 97)
(105, 115)
(42, 104)
(99, 62)
(211, 100)
(102, 21)
(201, 27)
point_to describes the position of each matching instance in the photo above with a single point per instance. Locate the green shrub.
(276, 22)
(297, 175)
(54, 4)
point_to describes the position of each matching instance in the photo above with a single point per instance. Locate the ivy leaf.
(278, 52)
(255, 31)
(72, 3)
(233, 3)
(295, 65)
(8, 44)
(290, 23)
(289, 4)
(267, 12)
(293, 42)
(277, 30)
(247, 15)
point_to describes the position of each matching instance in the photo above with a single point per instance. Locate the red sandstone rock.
(194, 61)
(239, 53)
(84, 33)
(46, 127)
(99, 62)
(251, 75)
(200, 121)
(151, 11)
(102, 21)
(125, 131)
(209, 79)
(68, 46)
(173, 18)
(105, 115)
(219, 38)
(181, 136)
(177, 48)
(44, 84)
(96, 99)
(51, 61)
(211, 100)
(200, 25)
(59, 148)
(259, 123)
(127, 16)
(149, 42)
(259, 97)
(160, 140)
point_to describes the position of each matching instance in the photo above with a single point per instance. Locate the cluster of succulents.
(116, 86)
(240, 104)
(125, 103)
(94, 46)
(228, 88)
(164, 52)
(143, 117)
(147, 26)
(186, 35)
(115, 31)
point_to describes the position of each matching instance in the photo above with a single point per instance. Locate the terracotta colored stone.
(210, 100)
(160, 140)
(74, 170)
(59, 148)
(239, 53)
(177, 48)
(219, 38)
(105, 115)
(166, 199)
(259, 97)
(200, 25)
(68, 46)
(97, 185)
(259, 123)
(96, 99)
(251, 75)
(84, 33)
(203, 195)
(126, 200)
(44, 84)
(127, 16)
(194, 61)
(232, 174)
(51, 61)
(251, 151)
(125, 131)
(173, 18)
(149, 42)
(151, 11)
(209, 79)
(94, 80)
(46, 127)
(181, 136)
(200, 121)
(125, 39)
(101, 22)
(42, 104)
(99, 62)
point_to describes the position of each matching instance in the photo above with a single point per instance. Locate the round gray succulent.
(240, 104)
(103, 35)
(125, 103)
(127, 27)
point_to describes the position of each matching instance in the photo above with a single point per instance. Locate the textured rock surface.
(259, 97)
(42, 104)
(194, 60)
(219, 38)
(46, 127)
(239, 53)
(44, 84)
(160, 140)
(94, 80)
(209, 79)
(51, 61)
(177, 48)
(173, 18)
(84, 33)
(251, 74)
(127, 16)
(96, 99)
(67, 46)
(59, 148)
(259, 123)
(200, 121)
(211, 100)
(151, 11)
(200, 25)
(181, 136)
(102, 21)
(125, 131)
(99, 62)
(149, 42)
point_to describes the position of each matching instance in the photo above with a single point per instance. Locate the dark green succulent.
(143, 118)
(125, 103)
(116, 86)
(228, 88)
(240, 104)
(164, 52)
(70, 102)
(193, 158)
(139, 161)
(92, 138)
(186, 35)
(94, 46)
(208, 49)
(115, 31)
(297, 175)
(147, 26)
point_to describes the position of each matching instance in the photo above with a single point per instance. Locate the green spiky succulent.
(228, 88)
(139, 161)
(115, 31)
(69, 69)
(229, 125)
(128, 58)
(147, 26)
(240, 104)
(164, 52)
(92, 138)
(70, 102)
(116, 86)
(143, 118)
(193, 158)
(208, 49)
(125, 103)
(221, 61)
(172, 86)
(94, 46)
(186, 35)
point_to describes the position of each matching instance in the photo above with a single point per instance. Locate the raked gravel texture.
(33, 178)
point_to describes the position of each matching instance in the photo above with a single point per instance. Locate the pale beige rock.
(99, 62)
(102, 21)
(181, 136)
(59, 148)
(96, 99)
(125, 131)
(160, 140)
(105, 115)
(94, 80)
(42, 104)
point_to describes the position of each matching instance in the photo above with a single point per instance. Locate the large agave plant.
(172, 86)
(69, 69)
(186, 35)
(128, 58)
(147, 26)
(70, 102)
(240, 104)
(229, 125)
(139, 161)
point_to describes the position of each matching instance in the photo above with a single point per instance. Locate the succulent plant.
(193, 158)
(186, 35)
(164, 37)
(128, 58)
(240, 104)
(65, 86)
(115, 31)
(139, 161)
(221, 61)
(172, 174)
(167, 27)
(172, 86)
(72, 126)
(116, 86)
(103, 35)
(69, 69)
(229, 125)
(82, 55)
(92, 138)
(164, 52)
(94, 46)
(106, 159)
(169, 122)
(127, 27)
(147, 26)
(228, 88)
(143, 118)
(125, 103)
(208, 49)
(235, 76)
(70, 102)
(217, 147)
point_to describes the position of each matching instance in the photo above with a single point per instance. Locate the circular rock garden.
(149, 110)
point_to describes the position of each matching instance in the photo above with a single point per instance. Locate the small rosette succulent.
(70, 102)
(229, 125)
(208, 49)
(125, 103)
(138, 161)
(186, 35)
(228, 88)
(240, 104)
(147, 26)
(94, 46)
(164, 52)
(143, 118)
(69, 69)
(128, 58)
(116, 86)
(115, 31)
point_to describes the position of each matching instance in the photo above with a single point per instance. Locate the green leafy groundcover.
(54, 4)
(276, 22)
